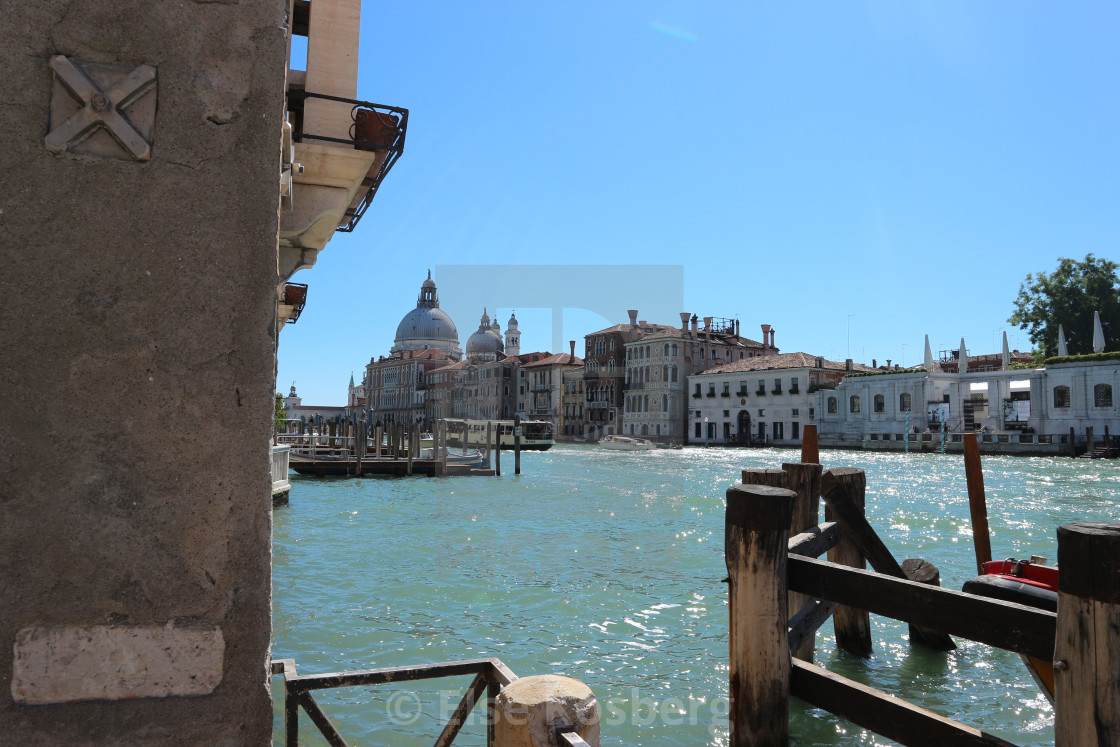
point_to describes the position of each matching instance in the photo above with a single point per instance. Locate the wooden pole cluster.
(755, 548)
(1087, 644)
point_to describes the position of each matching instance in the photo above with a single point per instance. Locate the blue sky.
(855, 174)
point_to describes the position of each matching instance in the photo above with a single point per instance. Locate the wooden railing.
(490, 676)
(769, 662)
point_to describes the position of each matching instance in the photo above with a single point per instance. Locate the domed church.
(427, 326)
(486, 343)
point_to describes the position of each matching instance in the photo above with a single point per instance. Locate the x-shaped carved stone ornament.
(101, 108)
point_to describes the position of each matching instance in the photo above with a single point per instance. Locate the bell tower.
(513, 337)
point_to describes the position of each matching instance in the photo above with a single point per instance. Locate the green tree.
(1068, 296)
(279, 412)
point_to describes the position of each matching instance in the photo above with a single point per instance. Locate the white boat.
(625, 443)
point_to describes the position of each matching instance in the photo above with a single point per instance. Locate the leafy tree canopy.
(1068, 296)
(279, 412)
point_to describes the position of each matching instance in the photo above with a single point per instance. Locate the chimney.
(820, 362)
(572, 343)
(707, 324)
(888, 362)
(633, 317)
(847, 364)
(875, 363)
(684, 321)
(694, 320)
(736, 327)
(772, 332)
(765, 337)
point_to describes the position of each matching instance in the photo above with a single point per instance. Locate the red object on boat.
(1043, 576)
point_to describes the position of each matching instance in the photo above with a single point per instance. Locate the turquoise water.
(606, 566)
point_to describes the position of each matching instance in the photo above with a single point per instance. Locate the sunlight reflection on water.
(606, 566)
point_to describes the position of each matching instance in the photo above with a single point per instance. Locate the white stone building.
(760, 400)
(1025, 410)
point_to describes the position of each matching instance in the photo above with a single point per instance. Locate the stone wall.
(138, 363)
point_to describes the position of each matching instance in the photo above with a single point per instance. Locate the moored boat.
(1026, 582)
(626, 443)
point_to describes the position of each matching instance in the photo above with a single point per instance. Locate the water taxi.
(626, 443)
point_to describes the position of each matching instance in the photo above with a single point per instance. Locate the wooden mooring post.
(443, 447)
(810, 450)
(1087, 644)
(413, 438)
(517, 444)
(977, 503)
(498, 453)
(756, 534)
(852, 625)
(805, 482)
(489, 436)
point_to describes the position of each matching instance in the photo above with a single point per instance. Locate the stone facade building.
(659, 359)
(760, 400)
(544, 379)
(571, 424)
(604, 370)
(1021, 410)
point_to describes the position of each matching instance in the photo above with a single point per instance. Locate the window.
(795, 411)
(727, 413)
(697, 392)
(698, 429)
(904, 402)
(666, 348)
(673, 350)
(777, 386)
(795, 430)
(1061, 396)
(879, 403)
(853, 403)
(672, 373)
(1102, 395)
(831, 405)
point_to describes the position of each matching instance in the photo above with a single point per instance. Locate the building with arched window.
(1028, 410)
(762, 400)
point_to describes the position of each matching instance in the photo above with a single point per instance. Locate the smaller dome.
(485, 343)
(512, 323)
(429, 283)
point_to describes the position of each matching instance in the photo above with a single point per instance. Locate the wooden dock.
(781, 594)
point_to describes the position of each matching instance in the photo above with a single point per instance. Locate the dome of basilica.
(427, 326)
(486, 342)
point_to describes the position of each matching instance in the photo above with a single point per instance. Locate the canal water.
(606, 566)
